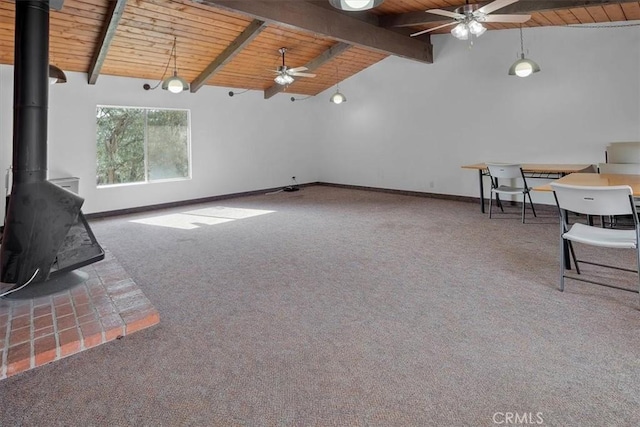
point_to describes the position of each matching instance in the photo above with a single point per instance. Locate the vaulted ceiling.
(235, 43)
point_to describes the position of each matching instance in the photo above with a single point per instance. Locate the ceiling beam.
(305, 16)
(315, 63)
(521, 7)
(248, 34)
(116, 8)
(56, 4)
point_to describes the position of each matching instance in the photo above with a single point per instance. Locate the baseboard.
(404, 192)
(139, 209)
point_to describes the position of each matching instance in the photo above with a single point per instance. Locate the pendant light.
(355, 5)
(337, 98)
(523, 67)
(175, 83)
(56, 75)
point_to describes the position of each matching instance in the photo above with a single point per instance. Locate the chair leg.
(524, 203)
(573, 256)
(499, 202)
(490, 203)
(531, 202)
(638, 262)
(562, 249)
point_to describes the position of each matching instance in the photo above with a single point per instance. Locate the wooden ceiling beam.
(315, 63)
(521, 7)
(254, 28)
(116, 8)
(308, 17)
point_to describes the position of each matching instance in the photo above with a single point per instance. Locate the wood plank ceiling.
(235, 43)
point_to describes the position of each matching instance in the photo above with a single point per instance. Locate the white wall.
(239, 143)
(411, 126)
(406, 125)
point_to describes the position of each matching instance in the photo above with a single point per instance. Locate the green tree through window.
(141, 145)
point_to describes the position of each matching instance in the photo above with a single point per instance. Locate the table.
(597, 180)
(531, 170)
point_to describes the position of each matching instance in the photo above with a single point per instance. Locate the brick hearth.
(108, 305)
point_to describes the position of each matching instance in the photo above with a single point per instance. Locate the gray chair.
(499, 171)
(598, 201)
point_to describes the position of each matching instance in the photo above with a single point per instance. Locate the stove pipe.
(39, 214)
(30, 91)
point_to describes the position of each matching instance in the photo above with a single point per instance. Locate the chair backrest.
(623, 152)
(504, 170)
(595, 200)
(620, 168)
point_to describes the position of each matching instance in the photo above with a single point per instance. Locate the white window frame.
(146, 164)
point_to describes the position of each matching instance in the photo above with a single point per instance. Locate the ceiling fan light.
(284, 79)
(476, 28)
(355, 5)
(175, 84)
(460, 31)
(338, 98)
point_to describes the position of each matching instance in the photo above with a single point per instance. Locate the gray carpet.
(350, 308)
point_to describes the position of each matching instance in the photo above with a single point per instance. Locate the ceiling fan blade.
(296, 69)
(495, 5)
(446, 13)
(433, 29)
(517, 19)
(298, 74)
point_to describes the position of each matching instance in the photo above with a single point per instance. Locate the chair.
(623, 152)
(602, 201)
(619, 168)
(508, 171)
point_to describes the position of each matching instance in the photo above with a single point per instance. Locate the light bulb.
(476, 28)
(175, 86)
(358, 4)
(524, 69)
(460, 31)
(338, 98)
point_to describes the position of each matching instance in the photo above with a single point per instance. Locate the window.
(137, 145)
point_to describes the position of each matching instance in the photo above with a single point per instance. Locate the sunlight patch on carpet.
(195, 218)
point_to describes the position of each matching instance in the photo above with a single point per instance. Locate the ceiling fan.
(469, 18)
(285, 75)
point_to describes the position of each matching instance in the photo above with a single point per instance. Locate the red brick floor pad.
(106, 306)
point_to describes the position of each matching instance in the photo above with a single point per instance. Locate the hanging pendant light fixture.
(337, 98)
(523, 67)
(56, 75)
(175, 83)
(355, 5)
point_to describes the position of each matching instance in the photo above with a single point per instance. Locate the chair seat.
(505, 189)
(598, 236)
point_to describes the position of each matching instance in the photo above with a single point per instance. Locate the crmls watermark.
(517, 418)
